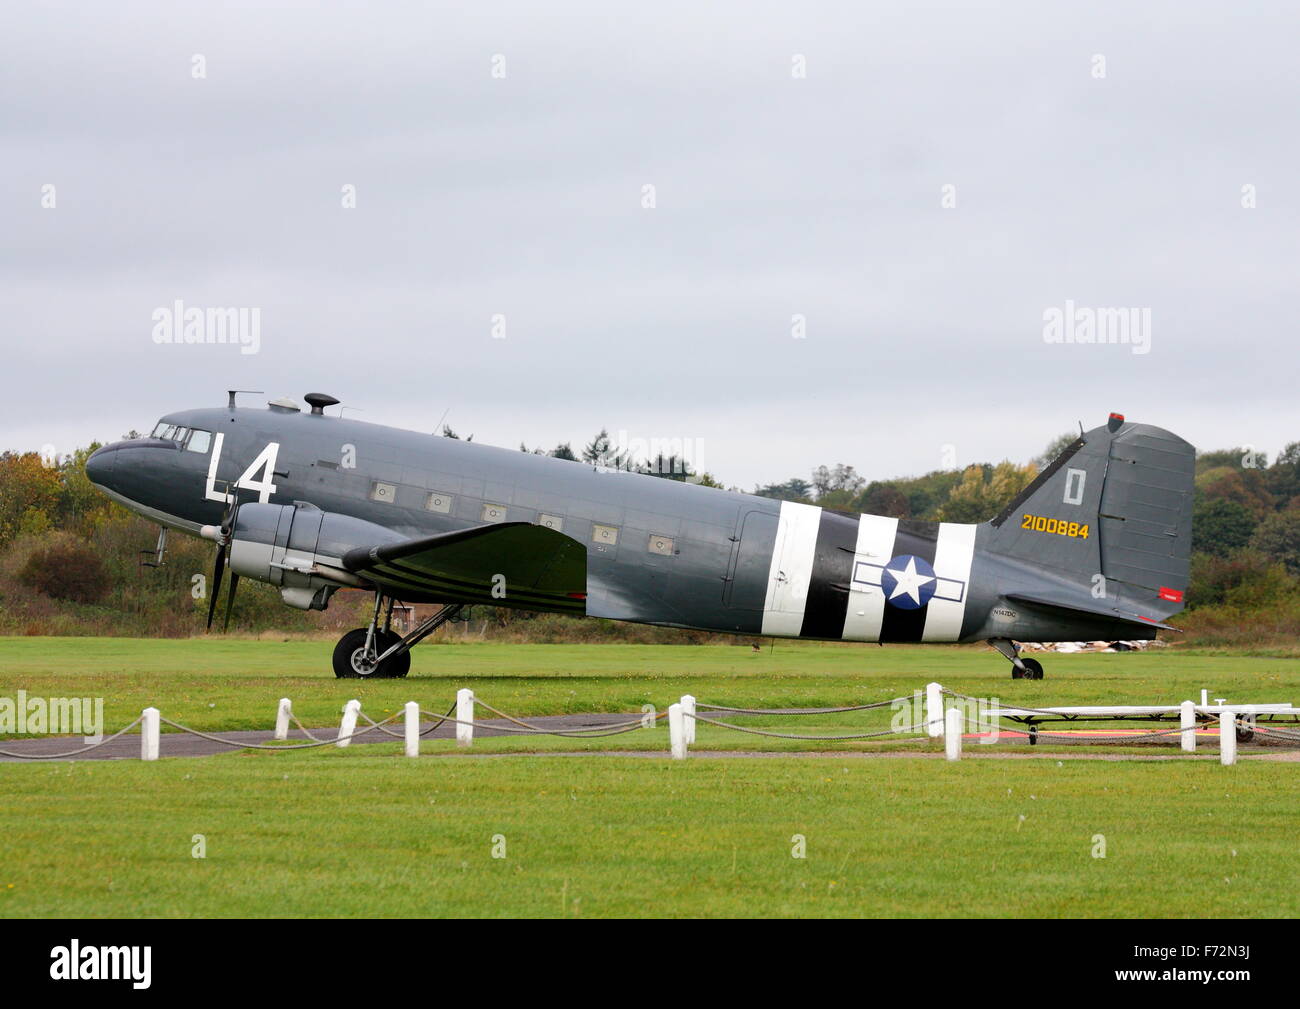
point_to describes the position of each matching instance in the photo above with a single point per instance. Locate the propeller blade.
(230, 600)
(218, 569)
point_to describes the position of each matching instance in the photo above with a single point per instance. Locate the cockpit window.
(189, 438)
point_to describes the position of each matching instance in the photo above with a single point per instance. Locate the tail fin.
(1117, 503)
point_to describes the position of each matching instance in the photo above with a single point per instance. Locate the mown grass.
(364, 831)
(369, 833)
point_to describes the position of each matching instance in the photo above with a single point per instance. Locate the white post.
(1205, 698)
(349, 723)
(688, 718)
(412, 729)
(1227, 738)
(934, 710)
(282, 718)
(149, 729)
(464, 717)
(953, 721)
(676, 731)
(1187, 719)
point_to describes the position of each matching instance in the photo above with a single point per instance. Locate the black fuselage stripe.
(920, 539)
(828, 597)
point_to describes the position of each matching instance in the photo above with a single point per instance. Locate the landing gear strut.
(1021, 669)
(379, 652)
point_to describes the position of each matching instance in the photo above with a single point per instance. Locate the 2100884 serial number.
(1058, 527)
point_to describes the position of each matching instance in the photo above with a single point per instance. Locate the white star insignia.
(909, 581)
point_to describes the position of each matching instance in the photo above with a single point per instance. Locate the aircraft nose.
(99, 467)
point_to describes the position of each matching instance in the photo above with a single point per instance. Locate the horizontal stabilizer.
(1102, 612)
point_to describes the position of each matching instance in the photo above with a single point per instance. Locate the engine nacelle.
(299, 548)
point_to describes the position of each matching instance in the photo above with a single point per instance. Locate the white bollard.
(688, 718)
(412, 729)
(1187, 720)
(953, 722)
(149, 729)
(349, 723)
(464, 717)
(1227, 738)
(1205, 698)
(282, 718)
(933, 710)
(676, 731)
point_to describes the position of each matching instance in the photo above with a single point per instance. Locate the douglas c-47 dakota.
(1096, 547)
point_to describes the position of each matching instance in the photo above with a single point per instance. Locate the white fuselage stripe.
(875, 547)
(953, 555)
(791, 569)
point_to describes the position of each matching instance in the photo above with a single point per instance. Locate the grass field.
(368, 832)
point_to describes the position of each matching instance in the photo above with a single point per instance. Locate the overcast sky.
(1113, 183)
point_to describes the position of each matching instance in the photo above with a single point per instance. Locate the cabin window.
(200, 441)
(494, 513)
(660, 545)
(385, 492)
(550, 522)
(607, 535)
(438, 502)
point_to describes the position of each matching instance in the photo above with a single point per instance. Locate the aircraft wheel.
(1033, 670)
(399, 665)
(350, 661)
(1245, 733)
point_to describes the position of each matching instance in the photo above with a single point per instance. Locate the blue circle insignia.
(909, 582)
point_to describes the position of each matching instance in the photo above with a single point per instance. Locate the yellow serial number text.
(1058, 527)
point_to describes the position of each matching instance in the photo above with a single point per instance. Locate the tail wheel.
(351, 661)
(1033, 670)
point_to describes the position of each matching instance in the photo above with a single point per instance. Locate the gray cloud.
(775, 197)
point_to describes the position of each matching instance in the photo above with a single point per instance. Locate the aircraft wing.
(510, 564)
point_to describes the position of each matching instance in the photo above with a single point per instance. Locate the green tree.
(1278, 537)
(982, 495)
(1283, 477)
(884, 499)
(26, 485)
(794, 489)
(1220, 526)
(600, 451)
(1054, 448)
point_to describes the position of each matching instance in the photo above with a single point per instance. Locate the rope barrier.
(594, 732)
(73, 753)
(987, 722)
(787, 735)
(263, 746)
(805, 711)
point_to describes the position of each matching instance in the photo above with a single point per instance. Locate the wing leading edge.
(511, 564)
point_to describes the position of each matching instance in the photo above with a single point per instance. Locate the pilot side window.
(200, 441)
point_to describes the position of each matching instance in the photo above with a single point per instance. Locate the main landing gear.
(1021, 669)
(379, 652)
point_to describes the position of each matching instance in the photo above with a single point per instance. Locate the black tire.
(1033, 669)
(354, 641)
(1245, 732)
